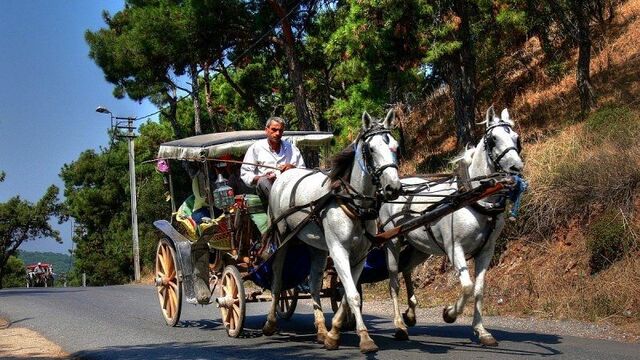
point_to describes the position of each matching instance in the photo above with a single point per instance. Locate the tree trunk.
(171, 115)
(461, 78)
(195, 95)
(208, 101)
(295, 70)
(583, 79)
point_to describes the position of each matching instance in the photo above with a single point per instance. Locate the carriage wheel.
(168, 284)
(232, 303)
(287, 303)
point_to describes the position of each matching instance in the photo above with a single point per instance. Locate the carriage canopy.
(234, 143)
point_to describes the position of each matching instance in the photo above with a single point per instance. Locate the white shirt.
(260, 153)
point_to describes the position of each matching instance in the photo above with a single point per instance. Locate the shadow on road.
(296, 338)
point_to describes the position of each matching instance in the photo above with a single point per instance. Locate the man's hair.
(277, 119)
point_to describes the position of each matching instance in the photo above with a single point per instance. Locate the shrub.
(15, 274)
(608, 240)
(586, 167)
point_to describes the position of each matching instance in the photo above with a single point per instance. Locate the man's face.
(274, 132)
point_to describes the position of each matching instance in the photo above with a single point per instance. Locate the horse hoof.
(331, 343)
(446, 317)
(409, 320)
(269, 329)
(320, 337)
(368, 346)
(488, 340)
(401, 334)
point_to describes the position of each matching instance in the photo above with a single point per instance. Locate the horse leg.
(332, 339)
(341, 261)
(318, 264)
(482, 261)
(451, 313)
(416, 259)
(269, 327)
(393, 254)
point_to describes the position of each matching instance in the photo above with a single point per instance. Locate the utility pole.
(127, 123)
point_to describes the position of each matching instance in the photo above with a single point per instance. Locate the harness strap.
(292, 199)
(347, 209)
(316, 207)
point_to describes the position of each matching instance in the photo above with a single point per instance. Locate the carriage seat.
(255, 208)
(211, 228)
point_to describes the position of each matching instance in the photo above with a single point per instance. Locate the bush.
(15, 273)
(608, 240)
(586, 167)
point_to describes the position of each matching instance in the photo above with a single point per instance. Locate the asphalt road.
(124, 322)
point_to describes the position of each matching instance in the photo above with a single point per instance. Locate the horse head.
(502, 143)
(377, 154)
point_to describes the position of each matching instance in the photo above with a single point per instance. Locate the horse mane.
(342, 162)
(462, 163)
(465, 157)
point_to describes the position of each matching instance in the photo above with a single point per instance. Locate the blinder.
(368, 158)
(490, 143)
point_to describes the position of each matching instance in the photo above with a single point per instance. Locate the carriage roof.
(233, 143)
(33, 266)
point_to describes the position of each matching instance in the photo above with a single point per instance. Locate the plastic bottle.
(223, 196)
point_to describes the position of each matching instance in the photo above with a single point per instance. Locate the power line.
(251, 47)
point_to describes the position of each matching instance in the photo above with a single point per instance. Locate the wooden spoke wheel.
(232, 303)
(168, 284)
(287, 303)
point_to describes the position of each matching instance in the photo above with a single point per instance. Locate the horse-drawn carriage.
(312, 215)
(40, 275)
(233, 235)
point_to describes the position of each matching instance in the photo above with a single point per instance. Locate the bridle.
(366, 165)
(489, 145)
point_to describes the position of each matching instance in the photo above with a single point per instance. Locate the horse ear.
(490, 115)
(504, 116)
(388, 120)
(366, 120)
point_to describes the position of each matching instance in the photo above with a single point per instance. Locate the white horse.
(365, 168)
(472, 230)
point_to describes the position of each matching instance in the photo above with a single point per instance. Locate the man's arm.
(248, 172)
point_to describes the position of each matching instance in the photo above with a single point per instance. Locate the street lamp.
(127, 123)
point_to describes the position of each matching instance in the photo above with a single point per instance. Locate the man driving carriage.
(266, 157)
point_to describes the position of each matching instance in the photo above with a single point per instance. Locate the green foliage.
(98, 198)
(556, 68)
(614, 123)
(23, 221)
(14, 274)
(608, 240)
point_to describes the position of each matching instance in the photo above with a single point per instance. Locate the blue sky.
(48, 95)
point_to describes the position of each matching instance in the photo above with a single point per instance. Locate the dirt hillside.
(548, 269)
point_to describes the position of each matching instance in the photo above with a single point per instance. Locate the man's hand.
(285, 167)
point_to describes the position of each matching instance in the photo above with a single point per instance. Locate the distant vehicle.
(40, 275)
